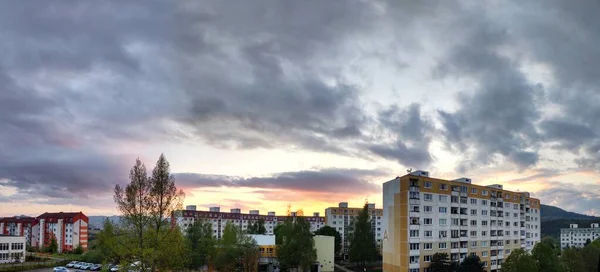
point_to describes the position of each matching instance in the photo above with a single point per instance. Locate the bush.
(78, 250)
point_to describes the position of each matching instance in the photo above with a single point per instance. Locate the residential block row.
(69, 229)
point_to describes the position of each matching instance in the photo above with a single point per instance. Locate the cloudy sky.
(258, 104)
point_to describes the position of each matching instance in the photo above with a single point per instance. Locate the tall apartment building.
(578, 237)
(69, 229)
(423, 216)
(219, 219)
(341, 218)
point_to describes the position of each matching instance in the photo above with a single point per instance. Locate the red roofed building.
(21, 226)
(69, 229)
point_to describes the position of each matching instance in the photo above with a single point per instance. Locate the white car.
(61, 269)
(78, 265)
(114, 268)
(71, 264)
(86, 266)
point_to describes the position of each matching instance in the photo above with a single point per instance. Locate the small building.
(325, 246)
(12, 248)
(267, 261)
(578, 237)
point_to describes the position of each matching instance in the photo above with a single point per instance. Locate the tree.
(53, 247)
(362, 241)
(551, 241)
(546, 258)
(590, 255)
(146, 203)
(78, 250)
(201, 244)
(297, 247)
(277, 230)
(257, 227)
(440, 262)
(108, 243)
(519, 261)
(250, 253)
(235, 250)
(572, 260)
(330, 231)
(471, 263)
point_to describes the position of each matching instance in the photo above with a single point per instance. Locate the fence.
(30, 265)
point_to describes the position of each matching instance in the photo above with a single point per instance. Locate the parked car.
(86, 266)
(71, 264)
(78, 265)
(61, 269)
(96, 267)
(114, 268)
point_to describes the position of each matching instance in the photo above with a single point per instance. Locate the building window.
(474, 244)
(484, 243)
(428, 197)
(443, 210)
(427, 246)
(515, 206)
(484, 253)
(443, 246)
(427, 184)
(484, 212)
(427, 208)
(484, 192)
(473, 222)
(443, 221)
(484, 222)
(414, 246)
(484, 202)
(414, 233)
(443, 186)
(428, 233)
(473, 233)
(473, 190)
(427, 258)
(427, 221)
(474, 201)
(443, 198)
(443, 233)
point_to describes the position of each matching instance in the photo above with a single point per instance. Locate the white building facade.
(219, 219)
(342, 217)
(578, 237)
(12, 249)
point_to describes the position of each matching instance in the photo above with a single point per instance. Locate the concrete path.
(342, 268)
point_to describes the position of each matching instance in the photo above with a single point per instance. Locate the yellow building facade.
(424, 215)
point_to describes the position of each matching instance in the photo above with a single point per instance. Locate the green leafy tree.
(519, 261)
(440, 262)
(471, 263)
(236, 250)
(572, 260)
(201, 244)
(546, 258)
(551, 241)
(330, 231)
(297, 247)
(590, 254)
(53, 247)
(109, 244)
(249, 253)
(277, 230)
(146, 204)
(78, 250)
(257, 227)
(362, 241)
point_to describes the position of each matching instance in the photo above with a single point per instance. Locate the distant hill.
(554, 218)
(549, 213)
(97, 221)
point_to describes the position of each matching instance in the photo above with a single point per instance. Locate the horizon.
(261, 104)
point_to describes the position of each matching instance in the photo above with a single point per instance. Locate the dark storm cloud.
(410, 135)
(324, 180)
(498, 116)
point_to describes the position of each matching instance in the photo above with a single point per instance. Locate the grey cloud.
(324, 180)
(542, 173)
(410, 135)
(498, 116)
(569, 198)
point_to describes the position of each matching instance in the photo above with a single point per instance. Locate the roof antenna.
(409, 170)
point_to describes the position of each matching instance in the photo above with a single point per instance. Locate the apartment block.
(342, 217)
(424, 215)
(578, 237)
(69, 229)
(219, 219)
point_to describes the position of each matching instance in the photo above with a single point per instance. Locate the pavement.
(342, 268)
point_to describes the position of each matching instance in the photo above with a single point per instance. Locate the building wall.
(12, 248)
(341, 219)
(577, 237)
(325, 246)
(421, 219)
(219, 220)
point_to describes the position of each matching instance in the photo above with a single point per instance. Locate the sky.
(264, 104)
